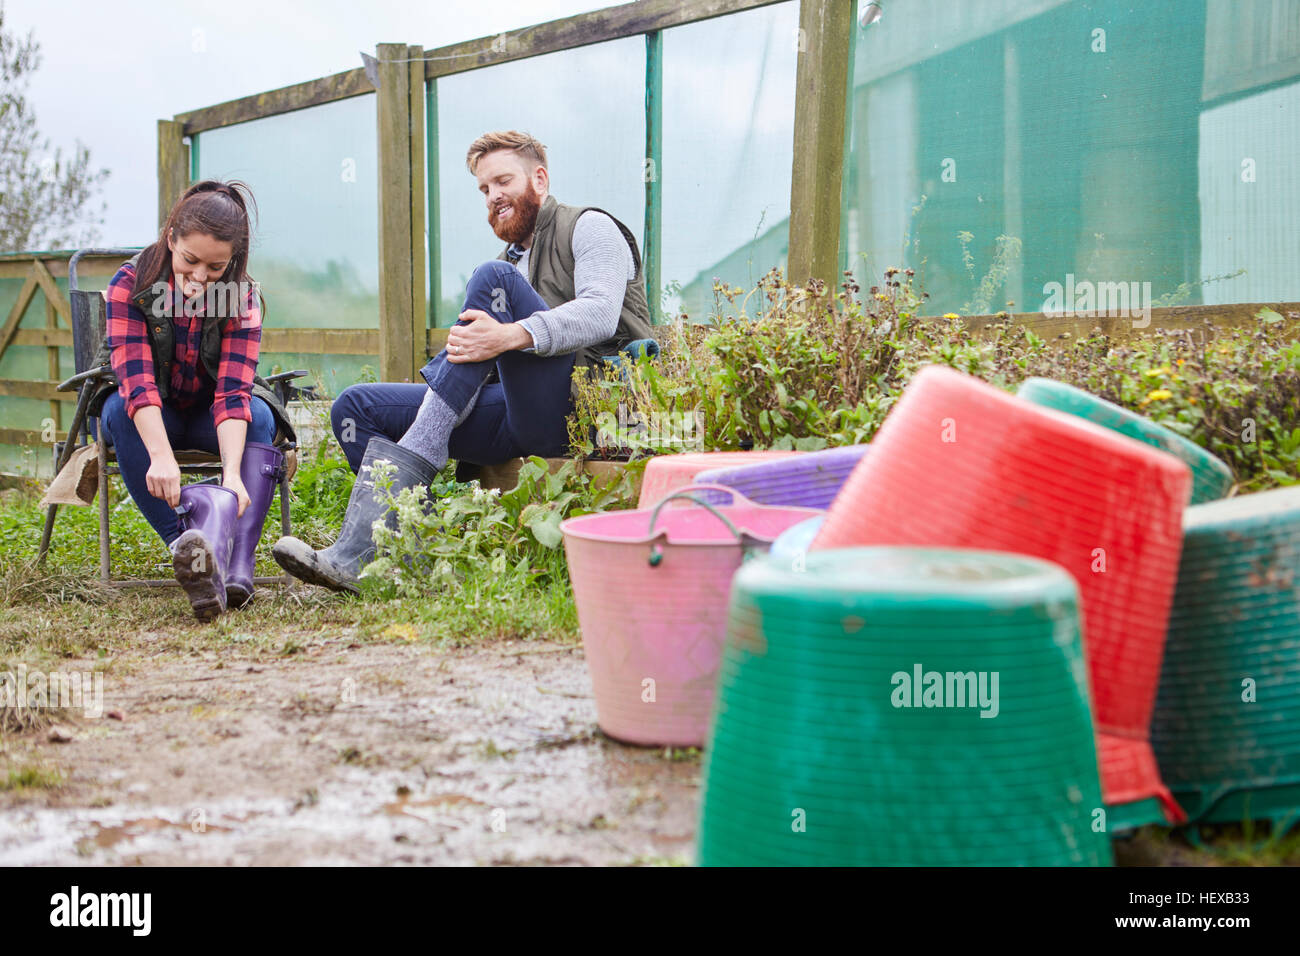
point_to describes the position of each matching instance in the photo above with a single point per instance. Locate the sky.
(110, 71)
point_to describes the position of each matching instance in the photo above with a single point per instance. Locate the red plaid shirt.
(128, 336)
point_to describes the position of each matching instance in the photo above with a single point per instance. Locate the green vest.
(162, 343)
(550, 272)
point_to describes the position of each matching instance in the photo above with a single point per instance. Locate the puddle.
(108, 837)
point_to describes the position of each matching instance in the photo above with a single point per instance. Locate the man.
(567, 290)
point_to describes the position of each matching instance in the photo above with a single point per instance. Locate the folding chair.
(89, 316)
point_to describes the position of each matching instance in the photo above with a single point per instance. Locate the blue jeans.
(192, 428)
(523, 414)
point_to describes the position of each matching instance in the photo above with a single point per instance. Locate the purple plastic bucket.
(811, 480)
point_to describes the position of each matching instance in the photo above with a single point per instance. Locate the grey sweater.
(602, 268)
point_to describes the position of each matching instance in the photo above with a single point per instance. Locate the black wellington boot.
(339, 566)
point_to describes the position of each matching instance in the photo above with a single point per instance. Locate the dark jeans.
(523, 414)
(189, 429)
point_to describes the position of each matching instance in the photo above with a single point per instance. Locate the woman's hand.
(236, 484)
(163, 479)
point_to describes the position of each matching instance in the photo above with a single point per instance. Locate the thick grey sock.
(432, 428)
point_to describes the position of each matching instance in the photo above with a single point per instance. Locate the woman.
(184, 330)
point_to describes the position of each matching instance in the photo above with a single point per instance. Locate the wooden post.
(173, 166)
(819, 108)
(400, 111)
(52, 354)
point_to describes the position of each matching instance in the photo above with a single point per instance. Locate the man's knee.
(492, 271)
(343, 412)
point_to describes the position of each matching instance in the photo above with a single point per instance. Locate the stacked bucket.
(1227, 720)
(969, 470)
(888, 706)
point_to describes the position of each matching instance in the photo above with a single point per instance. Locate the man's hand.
(484, 338)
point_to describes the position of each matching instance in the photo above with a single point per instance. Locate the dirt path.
(349, 754)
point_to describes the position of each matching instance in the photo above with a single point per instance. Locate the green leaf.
(1268, 316)
(546, 529)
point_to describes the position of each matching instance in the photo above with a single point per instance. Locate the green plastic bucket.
(821, 754)
(1226, 729)
(1211, 478)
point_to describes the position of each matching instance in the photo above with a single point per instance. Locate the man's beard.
(520, 224)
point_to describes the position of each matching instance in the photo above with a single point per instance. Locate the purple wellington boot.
(261, 470)
(202, 552)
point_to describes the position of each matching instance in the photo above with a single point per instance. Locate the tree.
(46, 200)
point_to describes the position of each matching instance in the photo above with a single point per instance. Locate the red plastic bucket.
(960, 463)
(652, 588)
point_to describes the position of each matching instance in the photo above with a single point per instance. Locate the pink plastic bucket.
(665, 473)
(652, 587)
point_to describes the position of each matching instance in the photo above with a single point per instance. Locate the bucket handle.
(745, 539)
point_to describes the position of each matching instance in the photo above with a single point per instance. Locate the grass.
(1244, 844)
(32, 778)
(63, 611)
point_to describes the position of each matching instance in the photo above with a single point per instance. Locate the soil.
(348, 753)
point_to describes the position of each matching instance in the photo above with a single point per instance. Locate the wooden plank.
(396, 266)
(1079, 325)
(173, 166)
(821, 82)
(52, 354)
(433, 213)
(25, 388)
(24, 299)
(435, 341)
(53, 294)
(286, 99)
(415, 134)
(19, 266)
(20, 436)
(47, 338)
(505, 476)
(322, 341)
(597, 26)
(583, 29)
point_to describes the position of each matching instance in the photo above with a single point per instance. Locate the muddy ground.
(348, 753)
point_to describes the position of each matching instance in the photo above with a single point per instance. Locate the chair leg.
(69, 446)
(105, 574)
(50, 512)
(284, 507)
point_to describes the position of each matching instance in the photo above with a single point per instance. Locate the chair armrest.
(86, 376)
(280, 383)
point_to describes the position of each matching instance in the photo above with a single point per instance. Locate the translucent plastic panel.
(1008, 149)
(316, 250)
(728, 116)
(1250, 197)
(587, 106)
